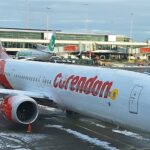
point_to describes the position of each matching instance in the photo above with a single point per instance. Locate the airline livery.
(118, 96)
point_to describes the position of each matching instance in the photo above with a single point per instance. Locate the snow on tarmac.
(84, 137)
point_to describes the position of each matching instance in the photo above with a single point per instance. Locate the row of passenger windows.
(31, 78)
(34, 79)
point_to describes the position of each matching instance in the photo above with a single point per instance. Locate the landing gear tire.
(72, 114)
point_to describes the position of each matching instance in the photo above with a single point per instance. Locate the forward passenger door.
(134, 99)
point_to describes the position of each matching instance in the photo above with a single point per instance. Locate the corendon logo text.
(88, 86)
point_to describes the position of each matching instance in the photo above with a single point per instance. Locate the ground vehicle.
(56, 59)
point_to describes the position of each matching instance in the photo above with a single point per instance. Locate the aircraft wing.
(25, 57)
(40, 46)
(27, 93)
(30, 58)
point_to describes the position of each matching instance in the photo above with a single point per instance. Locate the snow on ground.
(84, 137)
(19, 141)
(49, 110)
(98, 125)
(23, 136)
(131, 134)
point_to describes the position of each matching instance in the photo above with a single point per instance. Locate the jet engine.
(19, 109)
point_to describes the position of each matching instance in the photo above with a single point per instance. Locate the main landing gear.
(72, 114)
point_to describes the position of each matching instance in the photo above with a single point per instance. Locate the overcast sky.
(125, 17)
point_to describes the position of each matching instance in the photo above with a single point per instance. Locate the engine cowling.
(20, 109)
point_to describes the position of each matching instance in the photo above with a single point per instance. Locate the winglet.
(3, 54)
(51, 44)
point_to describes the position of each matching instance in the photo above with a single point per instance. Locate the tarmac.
(54, 131)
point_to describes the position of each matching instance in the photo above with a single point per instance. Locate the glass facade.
(19, 45)
(40, 35)
(122, 39)
(81, 37)
(21, 35)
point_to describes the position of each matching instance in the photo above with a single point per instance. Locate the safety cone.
(29, 129)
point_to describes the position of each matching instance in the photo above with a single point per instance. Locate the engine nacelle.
(20, 109)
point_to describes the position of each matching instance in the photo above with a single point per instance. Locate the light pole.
(131, 25)
(86, 18)
(27, 15)
(47, 18)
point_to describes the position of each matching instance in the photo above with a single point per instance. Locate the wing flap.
(27, 93)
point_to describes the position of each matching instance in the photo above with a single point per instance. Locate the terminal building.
(14, 39)
(17, 39)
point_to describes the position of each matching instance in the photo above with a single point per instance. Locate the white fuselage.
(34, 55)
(118, 96)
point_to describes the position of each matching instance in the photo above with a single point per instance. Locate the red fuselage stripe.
(3, 78)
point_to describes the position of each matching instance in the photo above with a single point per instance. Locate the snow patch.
(98, 125)
(18, 140)
(131, 134)
(84, 137)
(47, 108)
(16, 137)
(23, 149)
(50, 109)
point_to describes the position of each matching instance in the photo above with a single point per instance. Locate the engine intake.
(20, 109)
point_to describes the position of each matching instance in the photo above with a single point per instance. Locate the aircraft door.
(134, 98)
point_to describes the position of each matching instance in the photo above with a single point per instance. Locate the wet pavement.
(54, 131)
(141, 69)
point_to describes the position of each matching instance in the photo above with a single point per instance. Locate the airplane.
(118, 96)
(44, 53)
(38, 54)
